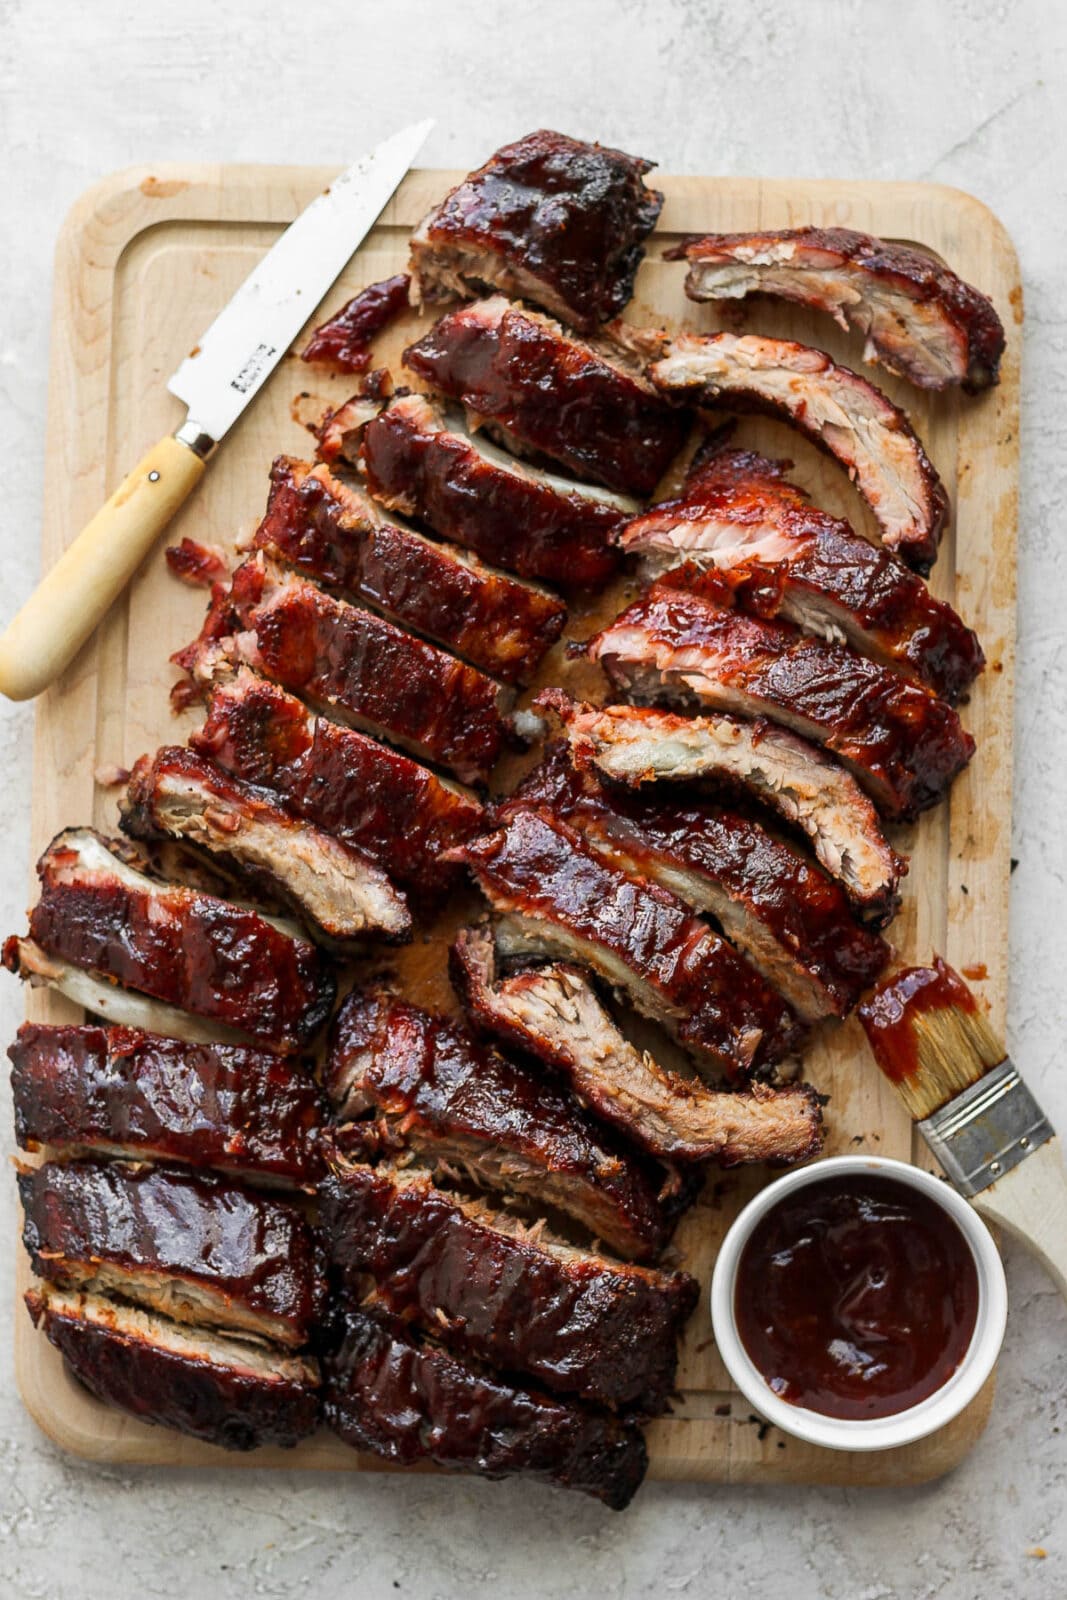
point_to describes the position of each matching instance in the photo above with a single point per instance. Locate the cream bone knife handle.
(90, 575)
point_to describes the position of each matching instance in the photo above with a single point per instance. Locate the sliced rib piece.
(739, 515)
(484, 1283)
(918, 318)
(359, 667)
(409, 1401)
(230, 1392)
(345, 340)
(542, 391)
(124, 1092)
(790, 920)
(336, 535)
(399, 1077)
(190, 950)
(552, 1014)
(561, 898)
(902, 743)
(191, 1247)
(425, 462)
(177, 794)
(636, 745)
(837, 409)
(554, 219)
(380, 802)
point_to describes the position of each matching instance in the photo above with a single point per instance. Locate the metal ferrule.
(200, 443)
(986, 1130)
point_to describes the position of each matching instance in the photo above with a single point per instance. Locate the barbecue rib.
(739, 515)
(378, 801)
(401, 1078)
(124, 1092)
(424, 462)
(785, 915)
(486, 1284)
(230, 1392)
(344, 341)
(558, 897)
(542, 391)
(902, 743)
(336, 535)
(193, 1248)
(356, 665)
(636, 745)
(837, 409)
(917, 317)
(556, 220)
(177, 794)
(222, 962)
(552, 1014)
(410, 1401)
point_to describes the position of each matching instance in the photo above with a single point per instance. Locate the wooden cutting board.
(145, 261)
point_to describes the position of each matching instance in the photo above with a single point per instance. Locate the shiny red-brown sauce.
(856, 1297)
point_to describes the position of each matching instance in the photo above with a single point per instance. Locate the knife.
(229, 366)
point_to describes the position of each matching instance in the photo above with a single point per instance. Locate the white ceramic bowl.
(877, 1433)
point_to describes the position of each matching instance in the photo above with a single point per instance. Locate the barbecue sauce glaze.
(856, 1297)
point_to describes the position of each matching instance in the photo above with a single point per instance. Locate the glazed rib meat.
(380, 802)
(542, 391)
(485, 1284)
(401, 1078)
(837, 409)
(359, 667)
(336, 535)
(344, 340)
(903, 744)
(790, 920)
(193, 1248)
(177, 794)
(917, 317)
(637, 745)
(739, 515)
(556, 220)
(409, 1401)
(221, 962)
(552, 1015)
(426, 463)
(124, 1092)
(229, 1392)
(559, 897)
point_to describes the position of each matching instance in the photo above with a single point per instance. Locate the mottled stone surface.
(962, 92)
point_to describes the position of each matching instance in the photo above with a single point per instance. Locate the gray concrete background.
(963, 92)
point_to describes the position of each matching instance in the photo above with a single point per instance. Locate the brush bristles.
(954, 1048)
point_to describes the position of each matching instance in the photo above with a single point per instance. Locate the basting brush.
(971, 1106)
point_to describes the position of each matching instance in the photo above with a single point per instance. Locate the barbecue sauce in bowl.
(856, 1297)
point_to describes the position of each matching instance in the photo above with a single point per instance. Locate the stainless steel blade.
(244, 344)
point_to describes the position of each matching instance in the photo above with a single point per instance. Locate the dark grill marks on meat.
(587, 406)
(561, 898)
(918, 318)
(229, 1392)
(124, 1092)
(903, 744)
(181, 946)
(401, 1078)
(554, 219)
(788, 918)
(190, 1247)
(177, 794)
(344, 341)
(484, 1284)
(336, 535)
(427, 465)
(837, 409)
(552, 1015)
(397, 812)
(740, 516)
(637, 745)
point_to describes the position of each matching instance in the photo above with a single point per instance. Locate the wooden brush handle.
(91, 573)
(1030, 1202)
